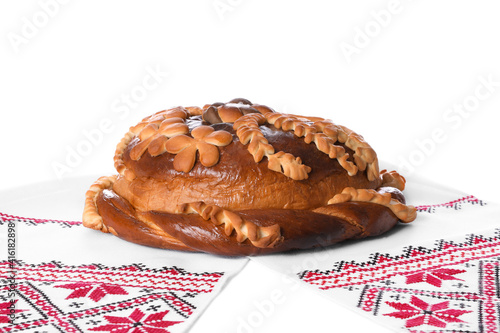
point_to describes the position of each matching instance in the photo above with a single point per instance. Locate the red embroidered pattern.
(451, 286)
(172, 279)
(5, 311)
(465, 282)
(455, 204)
(31, 221)
(135, 323)
(414, 261)
(468, 306)
(94, 291)
(53, 296)
(418, 313)
(434, 277)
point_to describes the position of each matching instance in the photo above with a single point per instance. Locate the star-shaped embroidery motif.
(434, 277)
(135, 323)
(419, 312)
(93, 291)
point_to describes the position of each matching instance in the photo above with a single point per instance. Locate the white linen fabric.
(438, 273)
(61, 276)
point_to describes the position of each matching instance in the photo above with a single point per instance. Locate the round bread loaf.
(241, 179)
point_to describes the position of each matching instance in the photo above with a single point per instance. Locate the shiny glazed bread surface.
(240, 179)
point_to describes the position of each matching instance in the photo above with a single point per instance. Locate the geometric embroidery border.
(448, 287)
(131, 275)
(76, 298)
(381, 300)
(67, 321)
(413, 259)
(5, 218)
(454, 204)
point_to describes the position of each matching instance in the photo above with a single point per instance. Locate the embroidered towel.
(58, 276)
(437, 274)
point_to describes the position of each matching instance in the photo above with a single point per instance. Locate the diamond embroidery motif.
(419, 312)
(153, 323)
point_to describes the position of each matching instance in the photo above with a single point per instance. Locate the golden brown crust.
(248, 131)
(325, 134)
(259, 236)
(393, 179)
(91, 217)
(245, 180)
(190, 231)
(204, 140)
(118, 158)
(403, 212)
(124, 221)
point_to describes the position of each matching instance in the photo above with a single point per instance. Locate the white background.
(67, 68)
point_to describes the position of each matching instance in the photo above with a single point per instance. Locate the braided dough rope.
(91, 217)
(325, 134)
(259, 236)
(364, 156)
(403, 212)
(248, 132)
(93, 220)
(288, 165)
(310, 133)
(118, 158)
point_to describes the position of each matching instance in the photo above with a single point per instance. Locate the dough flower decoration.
(204, 140)
(154, 131)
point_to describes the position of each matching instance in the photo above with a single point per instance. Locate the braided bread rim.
(403, 212)
(120, 166)
(325, 134)
(259, 236)
(91, 217)
(93, 220)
